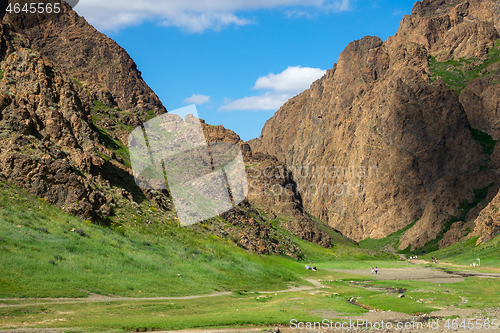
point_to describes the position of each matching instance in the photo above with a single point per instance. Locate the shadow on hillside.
(122, 179)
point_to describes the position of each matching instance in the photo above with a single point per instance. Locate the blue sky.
(238, 60)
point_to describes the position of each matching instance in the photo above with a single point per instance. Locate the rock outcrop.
(392, 134)
(488, 221)
(271, 188)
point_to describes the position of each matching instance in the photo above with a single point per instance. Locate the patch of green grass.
(46, 252)
(78, 83)
(115, 145)
(100, 106)
(466, 253)
(1, 74)
(457, 73)
(486, 140)
(150, 115)
(392, 240)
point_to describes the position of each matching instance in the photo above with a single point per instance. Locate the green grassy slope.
(391, 240)
(466, 253)
(45, 252)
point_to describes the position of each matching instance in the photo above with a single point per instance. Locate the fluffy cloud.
(197, 99)
(281, 87)
(292, 80)
(190, 15)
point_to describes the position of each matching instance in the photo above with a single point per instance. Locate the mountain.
(69, 98)
(402, 131)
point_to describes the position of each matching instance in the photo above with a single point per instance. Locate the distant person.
(376, 270)
(411, 257)
(306, 267)
(432, 258)
(373, 270)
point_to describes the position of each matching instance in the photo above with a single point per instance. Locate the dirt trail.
(465, 267)
(419, 273)
(101, 298)
(391, 250)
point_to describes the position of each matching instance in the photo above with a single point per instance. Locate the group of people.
(310, 268)
(375, 270)
(415, 257)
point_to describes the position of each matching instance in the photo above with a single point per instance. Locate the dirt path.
(407, 273)
(391, 250)
(419, 273)
(101, 298)
(465, 267)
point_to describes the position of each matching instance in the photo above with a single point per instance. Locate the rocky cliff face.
(272, 189)
(95, 63)
(398, 131)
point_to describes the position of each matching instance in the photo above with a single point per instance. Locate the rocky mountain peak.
(403, 107)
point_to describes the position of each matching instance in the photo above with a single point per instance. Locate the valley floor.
(454, 305)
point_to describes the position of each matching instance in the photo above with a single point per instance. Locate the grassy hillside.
(389, 241)
(46, 252)
(466, 253)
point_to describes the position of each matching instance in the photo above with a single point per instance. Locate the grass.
(121, 260)
(143, 255)
(114, 145)
(46, 252)
(253, 308)
(235, 310)
(150, 115)
(486, 140)
(466, 253)
(77, 82)
(391, 240)
(457, 73)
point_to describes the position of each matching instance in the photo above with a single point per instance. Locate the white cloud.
(291, 80)
(194, 22)
(281, 87)
(190, 15)
(268, 101)
(197, 99)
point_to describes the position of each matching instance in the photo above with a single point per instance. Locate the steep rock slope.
(272, 189)
(383, 139)
(97, 64)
